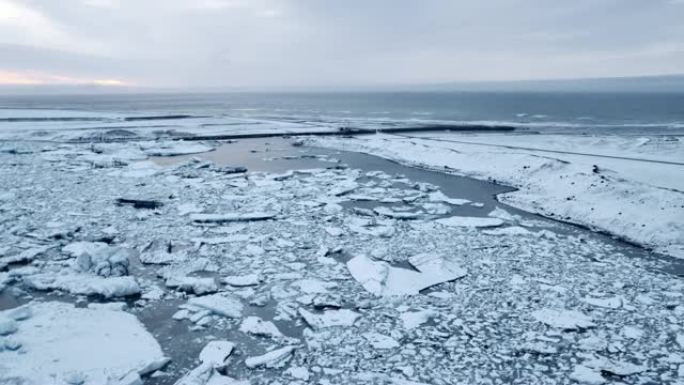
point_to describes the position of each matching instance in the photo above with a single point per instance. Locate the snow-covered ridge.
(551, 185)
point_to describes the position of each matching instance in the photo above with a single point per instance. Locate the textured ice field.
(329, 275)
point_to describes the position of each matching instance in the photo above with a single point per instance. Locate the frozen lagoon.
(541, 302)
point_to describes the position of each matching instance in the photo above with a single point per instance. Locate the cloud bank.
(283, 43)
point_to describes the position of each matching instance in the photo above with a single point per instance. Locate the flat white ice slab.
(382, 279)
(59, 341)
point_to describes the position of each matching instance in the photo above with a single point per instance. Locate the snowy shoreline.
(563, 189)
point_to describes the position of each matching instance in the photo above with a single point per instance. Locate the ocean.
(569, 113)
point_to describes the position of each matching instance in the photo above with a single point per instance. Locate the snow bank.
(552, 185)
(60, 343)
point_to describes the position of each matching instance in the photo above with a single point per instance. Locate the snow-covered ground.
(330, 275)
(632, 187)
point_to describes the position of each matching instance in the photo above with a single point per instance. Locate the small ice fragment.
(329, 318)
(513, 231)
(181, 315)
(223, 304)
(380, 341)
(413, 319)
(334, 231)
(258, 327)
(563, 319)
(609, 303)
(195, 285)
(242, 280)
(457, 221)
(538, 348)
(314, 286)
(273, 359)
(632, 332)
(175, 148)
(216, 353)
(585, 375)
(188, 208)
(162, 257)
(387, 212)
(438, 196)
(680, 340)
(298, 373)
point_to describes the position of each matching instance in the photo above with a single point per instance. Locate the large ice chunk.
(382, 279)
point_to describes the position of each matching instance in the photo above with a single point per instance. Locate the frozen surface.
(325, 289)
(60, 343)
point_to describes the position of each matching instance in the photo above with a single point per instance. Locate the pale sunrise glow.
(38, 78)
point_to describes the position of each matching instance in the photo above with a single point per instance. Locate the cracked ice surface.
(528, 301)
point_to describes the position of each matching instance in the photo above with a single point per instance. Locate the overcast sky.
(303, 43)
